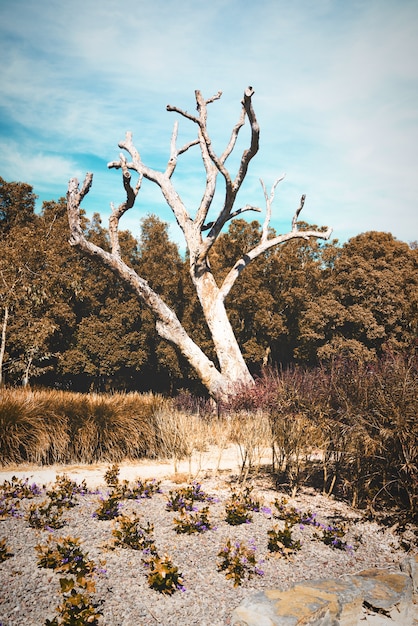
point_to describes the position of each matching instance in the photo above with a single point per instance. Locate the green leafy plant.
(109, 507)
(65, 555)
(78, 608)
(237, 513)
(12, 492)
(291, 516)
(45, 516)
(333, 536)
(131, 534)
(239, 507)
(184, 499)
(238, 561)
(4, 551)
(163, 576)
(190, 523)
(64, 490)
(281, 542)
(112, 476)
(141, 489)
(19, 488)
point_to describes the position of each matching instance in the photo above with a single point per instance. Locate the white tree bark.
(231, 370)
(3, 341)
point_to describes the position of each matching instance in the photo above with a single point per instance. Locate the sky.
(336, 97)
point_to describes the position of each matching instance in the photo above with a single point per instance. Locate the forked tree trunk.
(230, 371)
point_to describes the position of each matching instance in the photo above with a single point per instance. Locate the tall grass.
(358, 419)
(63, 427)
(355, 424)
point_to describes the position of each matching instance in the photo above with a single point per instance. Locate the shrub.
(238, 561)
(163, 576)
(131, 534)
(281, 542)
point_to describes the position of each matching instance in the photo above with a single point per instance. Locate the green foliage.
(141, 489)
(4, 551)
(190, 523)
(112, 476)
(109, 507)
(45, 515)
(163, 576)
(239, 507)
(334, 536)
(131, 534)
(238, 561)
(183, 499)
(77, 609)
(281, 541)
(65, 556)
(64, 491)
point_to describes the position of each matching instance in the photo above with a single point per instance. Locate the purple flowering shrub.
(238, 561)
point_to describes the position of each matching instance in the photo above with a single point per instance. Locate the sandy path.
(211, 460)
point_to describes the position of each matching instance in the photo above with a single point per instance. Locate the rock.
(343, 602)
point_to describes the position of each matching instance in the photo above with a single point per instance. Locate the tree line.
(67, 322)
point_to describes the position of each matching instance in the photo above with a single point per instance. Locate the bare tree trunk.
(222, 378)
(3, 342)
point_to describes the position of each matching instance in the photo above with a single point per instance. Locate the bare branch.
(234, 136)
(185, 114)
(117, 212)
(234, 214)
(255, 137)
(74, 198)
(269, 202)
(249, 256)
(298, 210)
(215, 97)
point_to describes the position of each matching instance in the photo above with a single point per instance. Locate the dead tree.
(222, 377)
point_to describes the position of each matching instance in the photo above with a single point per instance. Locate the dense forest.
(67, 323)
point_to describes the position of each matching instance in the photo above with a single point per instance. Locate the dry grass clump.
(45, 427)
(30, 430)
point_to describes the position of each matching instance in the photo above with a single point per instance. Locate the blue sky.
(336, 96)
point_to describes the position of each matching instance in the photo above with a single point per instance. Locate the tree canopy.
(71, 325)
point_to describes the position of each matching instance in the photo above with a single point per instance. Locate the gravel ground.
(29, 595)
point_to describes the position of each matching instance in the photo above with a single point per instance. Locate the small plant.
(237, 513)
(141, 489)
(291, 516)
(4, 551)
(112, 476)
(184, 499)
(19, 488)
(239, 507)
(196, 493)
(238, 561)
(45, 516)
(333, 536)
(109, 507)
(163, 576)
(78, 608)
(63, 492)
(65, 555)
(12, 492)
(131, 534)
(9, 507)
(281, 542)
(190, 523)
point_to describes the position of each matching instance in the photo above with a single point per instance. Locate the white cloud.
(336, 90)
